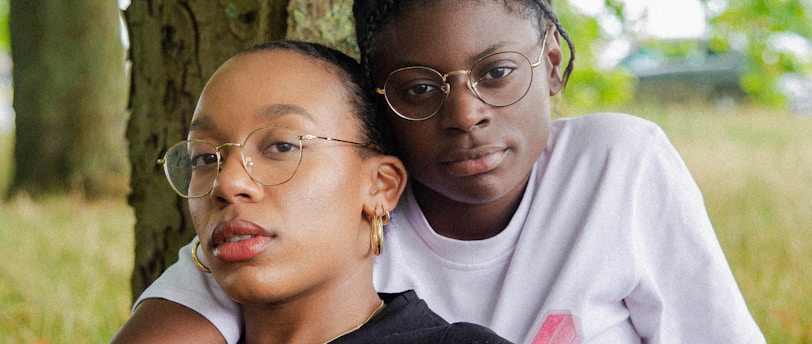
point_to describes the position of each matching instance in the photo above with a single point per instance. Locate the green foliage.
(760, 36)
(5, 42)
(757, 29)
(589, 84)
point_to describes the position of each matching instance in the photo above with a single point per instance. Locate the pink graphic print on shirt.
(559, 327)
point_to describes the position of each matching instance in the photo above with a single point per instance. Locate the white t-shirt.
(611, 243)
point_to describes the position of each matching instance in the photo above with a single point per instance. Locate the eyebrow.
(274, 111)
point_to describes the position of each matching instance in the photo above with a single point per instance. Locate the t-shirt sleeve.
(184, 284)
(687, 292)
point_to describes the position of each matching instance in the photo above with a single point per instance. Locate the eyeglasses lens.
(271, 156)
(500, 79)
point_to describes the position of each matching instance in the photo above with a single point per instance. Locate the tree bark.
(69, 97)
(329, 22)
(175, 46)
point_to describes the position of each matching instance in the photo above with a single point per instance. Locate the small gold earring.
(376, 223)
(197, 261)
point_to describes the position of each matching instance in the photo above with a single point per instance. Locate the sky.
(656, 18)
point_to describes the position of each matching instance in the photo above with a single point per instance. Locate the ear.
(388, 182)
(554, 59)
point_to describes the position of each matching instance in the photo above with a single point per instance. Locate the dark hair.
(371, 15)
(351, 75)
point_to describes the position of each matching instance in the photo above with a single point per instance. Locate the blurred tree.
(775, 37)
(4, 34)
(593, 86)
(69, 96)
(175, 45)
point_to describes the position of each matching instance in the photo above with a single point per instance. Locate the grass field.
(755, 170)
(65, 276)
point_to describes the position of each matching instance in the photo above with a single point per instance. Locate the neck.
(317, 317)
(467, 221)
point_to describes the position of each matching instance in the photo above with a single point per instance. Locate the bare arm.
(163, 321)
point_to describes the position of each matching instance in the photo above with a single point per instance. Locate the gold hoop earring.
(197, 261)
(376, 223)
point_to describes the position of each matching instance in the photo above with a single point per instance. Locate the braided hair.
(371, 15)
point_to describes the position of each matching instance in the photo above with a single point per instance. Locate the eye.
(203, 160)
(497, 73)
(279, 148)
(420, 89)
(414, 84)
(498, 69)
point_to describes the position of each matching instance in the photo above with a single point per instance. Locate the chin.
(246, 286)
(252, 294)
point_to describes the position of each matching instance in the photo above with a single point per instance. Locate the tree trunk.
(69, 97)
(175, 46)
(328, 22)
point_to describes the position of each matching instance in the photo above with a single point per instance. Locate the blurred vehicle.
(680, 70)
(685, 70)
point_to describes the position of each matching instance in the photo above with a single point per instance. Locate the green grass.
(754, 168)
(6, 153)
(65, 273)
(65, 276)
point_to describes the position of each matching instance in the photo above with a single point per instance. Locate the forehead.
(243, 89)
(433, 33)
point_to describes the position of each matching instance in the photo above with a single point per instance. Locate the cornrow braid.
(547, 8)
(370, 15)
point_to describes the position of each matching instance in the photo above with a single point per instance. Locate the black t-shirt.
(407, 319)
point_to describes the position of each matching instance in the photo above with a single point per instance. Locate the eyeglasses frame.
(246, 162)
(446, 88)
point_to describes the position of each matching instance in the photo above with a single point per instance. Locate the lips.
(470, 162)
(239, 240)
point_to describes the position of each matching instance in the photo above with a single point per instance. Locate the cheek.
(413, 138)
(198, 208)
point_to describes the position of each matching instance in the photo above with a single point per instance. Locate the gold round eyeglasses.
(501, 79)
(271, 155)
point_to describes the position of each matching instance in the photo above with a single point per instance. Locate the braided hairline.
(367, 22)
(550, 14)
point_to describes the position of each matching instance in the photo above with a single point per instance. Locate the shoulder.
(407, 319)
(605, 127)
(456, 333)
(463, 332)
(407, 305)
(601, 135)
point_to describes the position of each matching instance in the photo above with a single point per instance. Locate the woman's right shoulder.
(605, 128)
(464, 332)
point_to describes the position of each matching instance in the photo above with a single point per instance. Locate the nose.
(233, 184)
(462, 109)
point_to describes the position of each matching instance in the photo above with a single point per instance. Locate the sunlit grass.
(754, 167)
(6, 151)
(67, 261)
(65, 273)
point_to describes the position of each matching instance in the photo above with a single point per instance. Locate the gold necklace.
(371, 315)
